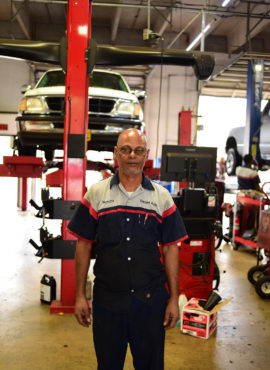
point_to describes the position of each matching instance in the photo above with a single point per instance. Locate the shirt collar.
(146, 182)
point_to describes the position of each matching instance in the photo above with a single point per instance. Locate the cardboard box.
(198, 322)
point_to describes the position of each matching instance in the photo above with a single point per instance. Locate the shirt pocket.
(109, 229)
(148, 229)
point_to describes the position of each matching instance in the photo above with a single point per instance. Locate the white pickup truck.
(112, 108)
(235, 143)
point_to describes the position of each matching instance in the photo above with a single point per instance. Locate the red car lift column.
(75, 127)
(22, 167)
(184, 133)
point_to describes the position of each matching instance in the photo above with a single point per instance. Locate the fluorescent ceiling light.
(194, 42)
(258, 67)
(225, 3)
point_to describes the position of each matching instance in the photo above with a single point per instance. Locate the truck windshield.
(97, 79)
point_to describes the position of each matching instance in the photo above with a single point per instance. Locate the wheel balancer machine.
(198, 205)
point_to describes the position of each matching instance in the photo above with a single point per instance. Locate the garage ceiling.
(235, 33)
(231, 80)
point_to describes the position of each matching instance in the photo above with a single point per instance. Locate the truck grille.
(101, 105)
(96, 105)
(56, 104)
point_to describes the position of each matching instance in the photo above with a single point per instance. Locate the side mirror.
(140, 94)
(25, 88)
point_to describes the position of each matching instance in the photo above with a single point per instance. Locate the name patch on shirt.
(148, 202)
(108, 201)
(144, 201)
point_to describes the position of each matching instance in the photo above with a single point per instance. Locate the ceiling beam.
(24, 23)
(242, 32)
(164, 20)
(115, 22)
(211, 9)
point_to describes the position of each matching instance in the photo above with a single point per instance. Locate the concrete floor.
(32, 338)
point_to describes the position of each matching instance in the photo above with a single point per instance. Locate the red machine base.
(59, 307)
(196, 268)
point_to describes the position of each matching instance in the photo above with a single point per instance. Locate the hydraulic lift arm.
(107, 56)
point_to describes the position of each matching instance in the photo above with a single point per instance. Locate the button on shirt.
(128, 230)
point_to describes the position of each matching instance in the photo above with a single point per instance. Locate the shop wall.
(178, 87)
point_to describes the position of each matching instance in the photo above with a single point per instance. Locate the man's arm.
(171, 263)
(82, 263)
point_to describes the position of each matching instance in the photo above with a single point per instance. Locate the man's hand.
(171, 315)
(82, 312)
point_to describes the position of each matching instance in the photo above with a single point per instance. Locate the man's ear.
(147, 153)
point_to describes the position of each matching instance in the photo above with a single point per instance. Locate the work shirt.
(128, 230)
(247, 178)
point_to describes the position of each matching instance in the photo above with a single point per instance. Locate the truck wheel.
(233, 160)
(256, 272)
(262, 287)
(26, 150)
(49, 154)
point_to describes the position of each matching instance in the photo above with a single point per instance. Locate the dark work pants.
(141, 327)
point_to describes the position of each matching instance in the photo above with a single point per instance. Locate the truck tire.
(233, 160)
(26, 150)
(49, 154)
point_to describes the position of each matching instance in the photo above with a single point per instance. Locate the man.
(247, 177)
(128, 216)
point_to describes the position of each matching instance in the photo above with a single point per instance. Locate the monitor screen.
(192, 164)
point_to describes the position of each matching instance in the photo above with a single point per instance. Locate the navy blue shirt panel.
(83, 224)
(128, 230)
(169, 224)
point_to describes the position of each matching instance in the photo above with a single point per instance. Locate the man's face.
(131, 153)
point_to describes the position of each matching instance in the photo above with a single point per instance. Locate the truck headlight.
(127, 108)
(32, 105)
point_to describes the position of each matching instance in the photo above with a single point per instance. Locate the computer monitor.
(191, 164)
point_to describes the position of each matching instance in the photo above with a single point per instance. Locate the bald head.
(133, 135)
(131, 153)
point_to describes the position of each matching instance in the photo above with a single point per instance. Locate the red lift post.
(184, 133)
(75, 129)
(22, 167)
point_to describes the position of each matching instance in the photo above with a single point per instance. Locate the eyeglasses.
(126, 150)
